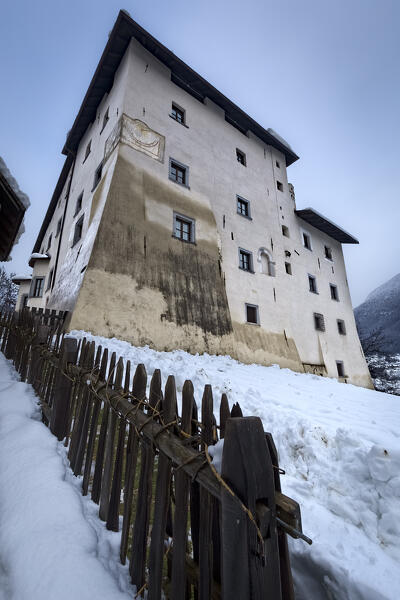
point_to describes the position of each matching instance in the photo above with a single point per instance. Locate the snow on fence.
(190, 528)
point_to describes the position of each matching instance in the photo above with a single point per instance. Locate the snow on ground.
(52, 544)
(340, 447)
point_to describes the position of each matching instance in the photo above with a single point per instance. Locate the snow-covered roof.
(20, 278)
(37, 255)
(13, 184)
(13, 204)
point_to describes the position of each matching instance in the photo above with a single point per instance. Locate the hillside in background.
(380, 314)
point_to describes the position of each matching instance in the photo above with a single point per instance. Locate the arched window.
(267, 265)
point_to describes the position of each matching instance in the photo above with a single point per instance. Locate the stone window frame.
(182, 166)
(192, 227)
(279, 186)
(285, 231)
(328, 253)
(241, 200)
(246, 314)
(288, 268)
(241, 253)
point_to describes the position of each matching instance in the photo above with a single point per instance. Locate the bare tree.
(8, 291)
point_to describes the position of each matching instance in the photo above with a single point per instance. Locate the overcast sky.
(325, 74)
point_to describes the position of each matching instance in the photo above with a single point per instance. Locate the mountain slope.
(381, 312)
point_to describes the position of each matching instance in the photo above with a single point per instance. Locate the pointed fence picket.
(188, 531)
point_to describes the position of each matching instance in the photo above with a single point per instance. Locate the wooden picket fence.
(187, 530)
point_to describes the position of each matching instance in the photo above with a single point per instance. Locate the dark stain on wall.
(130, 242)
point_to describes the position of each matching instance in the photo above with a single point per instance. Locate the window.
(341, 327)
(340, 368)
(24, 300)
(37, 287)
(328, 252)
(49, 242)
(78, 230)
(184, 228)
(285, 231)
(178, 172)
(334, 292)
(78, 204)
(88, 149)
(240, 157)
(252, 314)
(245, 260)
(319, 322)
(277, 164)
(243, 207)
(288, 268)
(50, 279)
(59, 223)
(312, 283)
(106, 118)
(279, 185)
(97, 176)
(178, 114)
(307, 241)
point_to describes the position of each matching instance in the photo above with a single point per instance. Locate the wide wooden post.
(62, 390)
(250, 564)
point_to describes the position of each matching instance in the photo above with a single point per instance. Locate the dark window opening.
(59, 223)
(288, 268)
(245, 260)
(340, 368)
(240, 157)
(279, 185)
(306, 241)
(50, 279)
(243, 207)
(277, 164)
(24, 302)
(252, 314)
(178, 114)
(78, 230)
(49, 242)
(97, 175)
(78, 204)
(328, 252)
(178, 173)
(285, 231)
(319, 322)
(184, 228)
(106, 118)
(334, 292)
(88, 150)
(37, 288)
(341, 327)
(312, 283)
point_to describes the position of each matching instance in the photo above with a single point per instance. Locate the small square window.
(178, 114)
(334, 292)
(78, 204)
(319, 322)
(252, 314)
(312, 283)
(285, 231)
(88, 149)
(59, 223)
(341, 327)
(328, 252)
(106, 118)
(78, 230)
(307, 241)
(243, 206)
(288, 268)
(245, 260)
(240, 157)
(184, 228)
(279, 185)
(340, 368)
(278, 166)
(178, 172)
(37, 287)
(97, 176)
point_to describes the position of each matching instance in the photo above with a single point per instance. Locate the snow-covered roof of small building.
(20, 278)
(37, 256)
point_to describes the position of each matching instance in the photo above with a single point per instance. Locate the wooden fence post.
(250, 567)
(62, 390)
(36, 359)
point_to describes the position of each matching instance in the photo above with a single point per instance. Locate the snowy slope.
(381, 312)
(340, 447)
